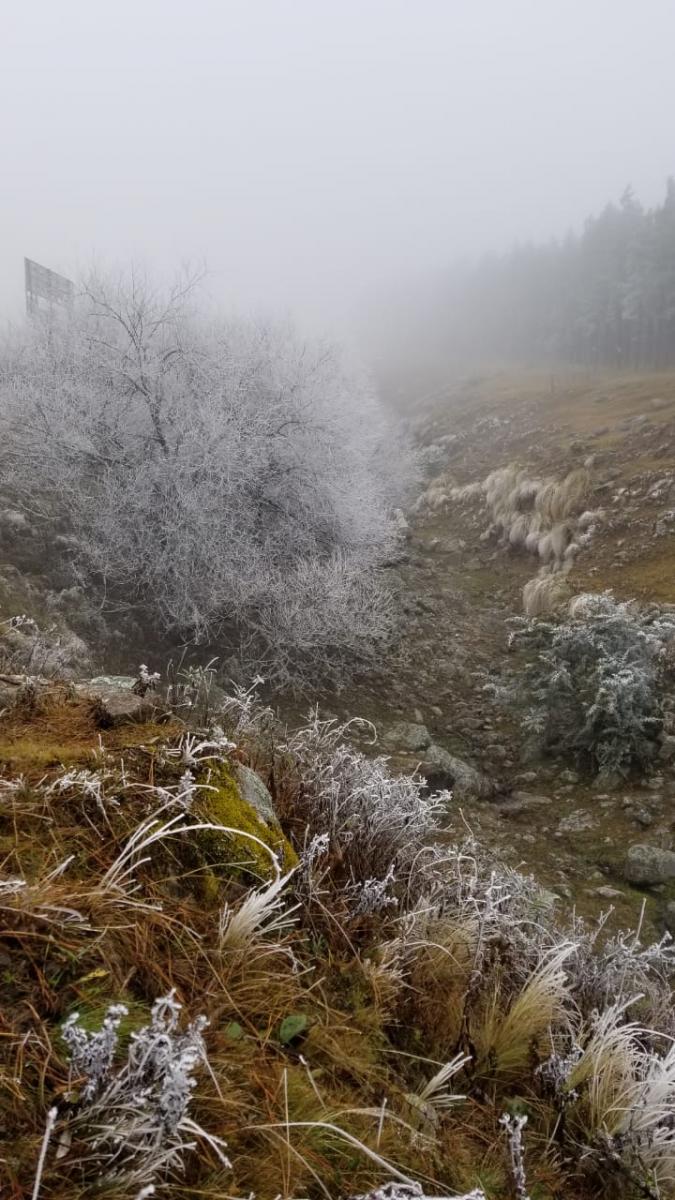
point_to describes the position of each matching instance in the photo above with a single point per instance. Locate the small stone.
(568, 776)
(526, 777)
(641, 815)
(607, 892)
(408, 736)
(576, 822)
(522, 802)
(497, 752)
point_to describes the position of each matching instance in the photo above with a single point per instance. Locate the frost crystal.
(91, 1054)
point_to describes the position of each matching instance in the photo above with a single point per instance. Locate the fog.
(316, 153)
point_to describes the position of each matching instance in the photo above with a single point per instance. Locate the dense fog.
(318, 155)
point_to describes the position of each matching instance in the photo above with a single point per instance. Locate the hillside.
(462, 590)
(246, 952)
(212, 987)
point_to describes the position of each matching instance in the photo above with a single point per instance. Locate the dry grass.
(411, 1030)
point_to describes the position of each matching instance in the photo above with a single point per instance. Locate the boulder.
(118, 705)
(254, 792)
(408, 737)
(649, 865)
(10, 690)
(443, 770)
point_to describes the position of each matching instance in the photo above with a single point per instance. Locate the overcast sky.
(310, 150)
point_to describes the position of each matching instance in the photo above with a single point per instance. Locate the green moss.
(229, 853)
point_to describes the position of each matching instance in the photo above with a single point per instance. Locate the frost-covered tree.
(594, 683)
(227, 479)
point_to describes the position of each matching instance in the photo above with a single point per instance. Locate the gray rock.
(408, 736)
(56, 653)
(607, 892)
(577, 822)
(116, 681)
(669, 916)
(497, 751)
(13, 521)
(649, 865)
(255, 793)
(11, 690)
(667, 750)
(641, 815)
(569, 777)
(444, 770)
(118, 705)
(522, 802)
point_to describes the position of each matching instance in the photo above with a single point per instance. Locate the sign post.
(45, 285)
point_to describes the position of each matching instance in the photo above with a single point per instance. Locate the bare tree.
(223, 477)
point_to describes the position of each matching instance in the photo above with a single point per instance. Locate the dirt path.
(460, 592)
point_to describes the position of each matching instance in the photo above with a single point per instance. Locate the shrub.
(224, 478)
(595, 684)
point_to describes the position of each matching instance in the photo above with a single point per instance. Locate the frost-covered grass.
(375, 1022)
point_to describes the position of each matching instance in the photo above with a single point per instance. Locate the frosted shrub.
(226, 479)
(376, 823)
(134, 1118)
(594, 684)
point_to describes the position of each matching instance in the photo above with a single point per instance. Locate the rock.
(117, 681)
(649, 865)
(55, 653)
(667, 749)
(11, 690)
(13, 521)
(522, 802)
(569, 777)
(118, 705)
(497, 752)
(607, 892)
(527, 777)
(657, 402)
(669, 916)
(577, 822)
(408, 736)
(443, 770)
(255, 793)
(641, 815)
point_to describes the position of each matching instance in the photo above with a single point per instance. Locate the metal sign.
(45, 285)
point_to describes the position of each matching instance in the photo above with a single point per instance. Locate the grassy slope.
(301, 1117)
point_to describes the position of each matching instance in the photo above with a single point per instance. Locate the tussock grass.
(338, 1042)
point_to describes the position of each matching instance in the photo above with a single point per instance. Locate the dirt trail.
(460, 592)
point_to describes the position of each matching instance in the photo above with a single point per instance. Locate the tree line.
(601, 297)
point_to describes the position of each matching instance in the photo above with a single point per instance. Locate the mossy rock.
(231, 854)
